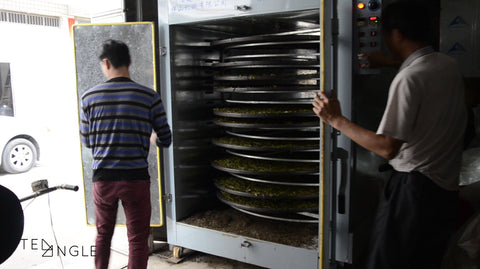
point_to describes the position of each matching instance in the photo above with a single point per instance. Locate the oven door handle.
(342, 155)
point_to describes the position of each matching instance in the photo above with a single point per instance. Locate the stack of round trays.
(272, 139)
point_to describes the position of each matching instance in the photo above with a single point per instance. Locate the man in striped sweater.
(117, 119)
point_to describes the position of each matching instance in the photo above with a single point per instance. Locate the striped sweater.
(116, 121)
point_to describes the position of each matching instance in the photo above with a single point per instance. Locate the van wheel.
(19, 155)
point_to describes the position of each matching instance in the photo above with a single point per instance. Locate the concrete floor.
(161, 258)
(58, 219)
(191, 259)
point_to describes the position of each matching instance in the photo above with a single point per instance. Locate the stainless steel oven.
(252, 174)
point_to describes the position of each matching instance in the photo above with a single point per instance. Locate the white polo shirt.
(426, 109)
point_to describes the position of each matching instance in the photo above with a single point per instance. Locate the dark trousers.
(414, 223)
(135, 197)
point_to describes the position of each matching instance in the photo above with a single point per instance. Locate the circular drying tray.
(269, 206)
(246, 166)
(245, 188)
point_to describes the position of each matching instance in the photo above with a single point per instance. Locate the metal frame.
(249, 250)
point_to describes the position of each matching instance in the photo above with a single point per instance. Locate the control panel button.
(361, 22)
(373, 5)
(367, 36)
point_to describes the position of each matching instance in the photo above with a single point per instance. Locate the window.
(24, 18)
(6, 100)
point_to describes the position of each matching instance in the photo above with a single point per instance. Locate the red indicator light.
(361, 5)
(374, 18)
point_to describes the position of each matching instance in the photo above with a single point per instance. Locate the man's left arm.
(84, 128)
(163, 133)
(329, 111)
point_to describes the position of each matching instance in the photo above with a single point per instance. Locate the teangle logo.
(51, 250)
(458, 22)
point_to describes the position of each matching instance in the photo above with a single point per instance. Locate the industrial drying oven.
(252, 174)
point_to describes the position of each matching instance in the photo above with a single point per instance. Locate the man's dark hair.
(412, 19)
(116, 52)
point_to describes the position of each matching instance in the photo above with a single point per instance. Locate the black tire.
(19, 155)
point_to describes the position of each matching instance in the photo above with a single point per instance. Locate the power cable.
(53, 230)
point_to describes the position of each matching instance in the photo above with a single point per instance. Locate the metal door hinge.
(167, 197)
(335, 133)
(243, 8)
(335, 32)
(335, 29)
(245, 244)
(163, 51)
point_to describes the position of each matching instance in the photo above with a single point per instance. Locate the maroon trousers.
(135, 197)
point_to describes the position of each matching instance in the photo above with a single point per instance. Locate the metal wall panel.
(460, 34)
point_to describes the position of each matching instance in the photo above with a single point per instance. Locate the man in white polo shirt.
(421, 134)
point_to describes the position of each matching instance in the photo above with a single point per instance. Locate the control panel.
(367, 33)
